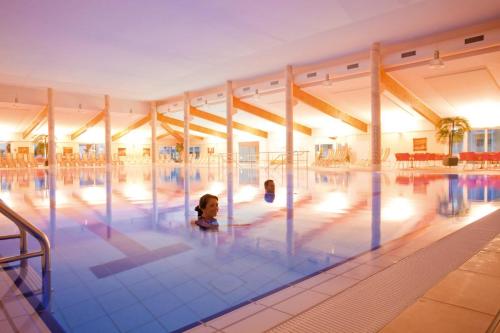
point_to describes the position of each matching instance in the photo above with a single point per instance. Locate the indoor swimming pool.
(126, 257)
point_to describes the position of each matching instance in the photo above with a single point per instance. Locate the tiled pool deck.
(467, 299)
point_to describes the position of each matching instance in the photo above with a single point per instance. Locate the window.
(323, 149)
(195, 151)
(476, 140)
(494, 139)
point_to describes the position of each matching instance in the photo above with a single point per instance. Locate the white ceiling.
(155, 48)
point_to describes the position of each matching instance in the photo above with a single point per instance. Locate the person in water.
(269, 190)
(207, 211)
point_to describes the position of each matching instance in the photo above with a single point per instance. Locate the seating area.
(407, 160)
(334, 157)
(13, 161)
(488, 160)
(483, 160)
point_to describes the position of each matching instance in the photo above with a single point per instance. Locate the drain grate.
(373, 303)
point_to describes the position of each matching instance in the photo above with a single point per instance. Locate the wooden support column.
(289, 116)
(154, 148)
(376, 133)
(51, 124)
(107, 126)
(187, 117)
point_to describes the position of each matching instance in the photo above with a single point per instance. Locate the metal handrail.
(26, 227)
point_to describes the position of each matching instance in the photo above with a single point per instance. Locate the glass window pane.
(476, 140)
(494, 139)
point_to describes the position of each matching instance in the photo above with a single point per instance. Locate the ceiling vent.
(353, 66)
(408, 54)
(246, 89)
(474, 39)
(199, 99)
(273, 83)
(310, 75)
(220, 95)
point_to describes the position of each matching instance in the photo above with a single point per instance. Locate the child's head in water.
(269, 186)
(208, 206)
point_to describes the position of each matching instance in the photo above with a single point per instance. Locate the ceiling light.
(327, 81)
(436, 62)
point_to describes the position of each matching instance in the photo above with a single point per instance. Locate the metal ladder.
(44, 252)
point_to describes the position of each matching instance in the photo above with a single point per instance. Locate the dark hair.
(268, 181)
(203, 203)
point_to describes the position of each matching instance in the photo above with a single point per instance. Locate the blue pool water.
(126, 257)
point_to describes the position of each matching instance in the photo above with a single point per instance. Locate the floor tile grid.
(411, 317)
(312, 283)
(315, 322)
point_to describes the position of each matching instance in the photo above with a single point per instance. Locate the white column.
(107, 133)
(51, 124)
(229, 123)
(187, 105)
(187, 116)
(376, 133)
(154, 148)
(485, 140)
(229, 149)
(466, 142)
(289, 116)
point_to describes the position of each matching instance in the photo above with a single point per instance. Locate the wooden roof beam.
(223, 121)
(398, 90)
(165, 135)
(171, 131)
(91, 123)
(328, 109)
(40, 116)
(132, 127)
(201, 129)
(274, 118)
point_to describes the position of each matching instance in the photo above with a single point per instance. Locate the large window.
(476, 140)
(196, 151)
(323, 149)
(494, 139)
(91, 149)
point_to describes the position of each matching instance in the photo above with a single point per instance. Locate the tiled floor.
(16, 314)
(466, 300)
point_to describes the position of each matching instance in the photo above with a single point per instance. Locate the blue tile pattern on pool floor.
(126, 257)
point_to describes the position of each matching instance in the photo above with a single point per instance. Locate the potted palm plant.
(179, 147)
(451, 130)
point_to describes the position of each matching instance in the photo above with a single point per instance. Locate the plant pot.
(450, 161)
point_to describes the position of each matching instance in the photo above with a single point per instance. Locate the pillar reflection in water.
(376, 206)
(230, 198)
(53, 206)
(154, 190)
(289, 214)
(186, 196)
(109, 202)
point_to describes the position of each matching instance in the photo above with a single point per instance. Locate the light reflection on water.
(132, 226)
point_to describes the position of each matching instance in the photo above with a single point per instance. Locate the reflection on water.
(126, 233)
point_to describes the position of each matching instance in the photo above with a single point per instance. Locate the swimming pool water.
(126, 257)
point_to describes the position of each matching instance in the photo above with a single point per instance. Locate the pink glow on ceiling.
(155, 49)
